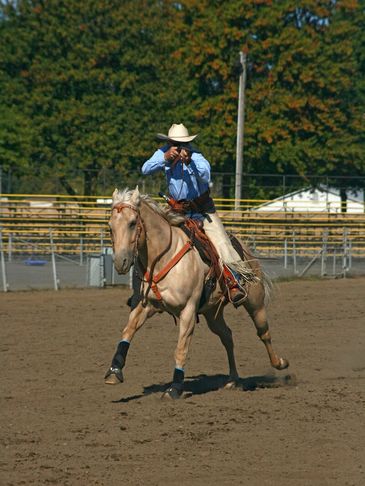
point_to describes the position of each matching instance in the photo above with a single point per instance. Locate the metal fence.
(57, 241)
(254, 185)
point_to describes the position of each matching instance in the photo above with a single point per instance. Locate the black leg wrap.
(176, 388)
(120, 355)
(178, 377)
(118, 361)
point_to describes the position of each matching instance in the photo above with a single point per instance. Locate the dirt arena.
(61, 425)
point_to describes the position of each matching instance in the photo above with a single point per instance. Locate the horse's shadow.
(201, 384)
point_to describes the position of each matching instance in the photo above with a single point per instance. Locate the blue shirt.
(184, 181)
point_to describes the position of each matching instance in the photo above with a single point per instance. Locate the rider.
(188, 177)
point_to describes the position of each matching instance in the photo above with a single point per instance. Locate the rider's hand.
(171, 154)
(185, 156)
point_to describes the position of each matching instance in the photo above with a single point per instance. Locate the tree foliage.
(85, 85)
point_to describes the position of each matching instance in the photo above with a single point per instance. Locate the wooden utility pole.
(240, 129)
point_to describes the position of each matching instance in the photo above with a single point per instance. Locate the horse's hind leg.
(218, 326)
(255, 306)
(137, 318)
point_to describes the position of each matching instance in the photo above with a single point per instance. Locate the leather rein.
(149, 277)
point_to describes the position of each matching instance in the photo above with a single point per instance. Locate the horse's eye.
(132, 224)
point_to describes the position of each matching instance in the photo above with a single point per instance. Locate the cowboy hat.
(177, 133)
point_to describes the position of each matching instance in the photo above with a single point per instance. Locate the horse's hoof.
(113, 376)
(231, 385)
(283, 364)
(172, 393)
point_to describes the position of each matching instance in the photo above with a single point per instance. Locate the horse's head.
(125, 228)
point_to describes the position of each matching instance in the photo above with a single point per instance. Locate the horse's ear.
(136, 197)
(115, 194)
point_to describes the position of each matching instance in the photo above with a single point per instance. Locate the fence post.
(286, 253)
(81, 250)
(324, 253)
(344, 253)
(349, 247)
(2, 259)
(334, 262)
(294, 255)
(87, 283)
(101, 241)
(254, 244)
(113, 273)
(53, 257)
(10, 247)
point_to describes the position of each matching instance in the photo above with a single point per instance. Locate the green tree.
(300, 111)
(93, 78)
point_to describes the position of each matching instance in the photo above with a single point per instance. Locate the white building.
(320, 199)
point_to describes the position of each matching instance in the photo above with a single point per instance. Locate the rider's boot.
(236, 295)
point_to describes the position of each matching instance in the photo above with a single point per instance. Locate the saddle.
(208, 253)
(194, 230)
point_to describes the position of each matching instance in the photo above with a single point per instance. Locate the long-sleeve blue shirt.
(184, 181)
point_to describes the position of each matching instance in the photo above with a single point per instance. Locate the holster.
(201, 204)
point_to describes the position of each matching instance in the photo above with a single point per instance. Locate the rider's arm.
(200, 166)
(155, 163)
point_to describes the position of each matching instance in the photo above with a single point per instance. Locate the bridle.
(140, 227)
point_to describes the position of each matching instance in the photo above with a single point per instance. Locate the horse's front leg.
(186, 329)
(137, 318)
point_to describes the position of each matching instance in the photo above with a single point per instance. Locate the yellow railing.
(79, 224)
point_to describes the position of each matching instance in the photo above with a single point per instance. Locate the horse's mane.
(173, 218)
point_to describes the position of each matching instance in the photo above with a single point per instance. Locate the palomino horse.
(174, 278)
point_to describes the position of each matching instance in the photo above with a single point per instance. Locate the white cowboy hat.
(177, 133)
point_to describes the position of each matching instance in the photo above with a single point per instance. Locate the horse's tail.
(260, 273)
(268, 287)
(247, 255)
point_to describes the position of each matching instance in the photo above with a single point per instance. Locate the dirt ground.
(60, 424)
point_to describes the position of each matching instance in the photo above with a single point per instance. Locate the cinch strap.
(162, 273)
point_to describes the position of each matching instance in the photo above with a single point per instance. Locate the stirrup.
(236, 296)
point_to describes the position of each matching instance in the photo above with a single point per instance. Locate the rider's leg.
(215, 231)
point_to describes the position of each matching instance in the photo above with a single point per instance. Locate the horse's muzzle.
(123, 263)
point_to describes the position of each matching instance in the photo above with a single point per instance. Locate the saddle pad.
(200, 240)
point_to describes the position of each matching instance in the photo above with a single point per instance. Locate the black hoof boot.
(173, 392)
(113, 376)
